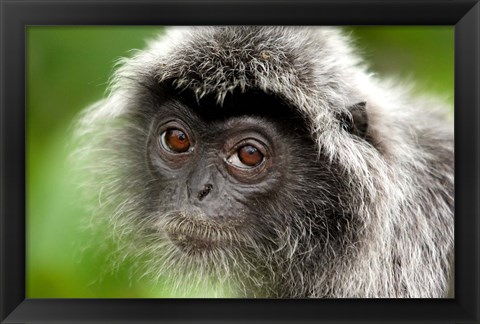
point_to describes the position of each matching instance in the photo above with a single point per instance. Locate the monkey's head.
(243, 154)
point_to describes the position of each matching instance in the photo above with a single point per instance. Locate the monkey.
(269, 160)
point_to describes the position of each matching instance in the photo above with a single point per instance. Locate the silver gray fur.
(401, 181)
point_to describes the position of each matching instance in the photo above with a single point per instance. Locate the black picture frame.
(15, 15)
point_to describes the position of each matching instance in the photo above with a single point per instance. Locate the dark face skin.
(228, 171)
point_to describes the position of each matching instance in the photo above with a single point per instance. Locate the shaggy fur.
(396, 204)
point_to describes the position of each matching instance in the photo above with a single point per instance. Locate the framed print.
(259, 166)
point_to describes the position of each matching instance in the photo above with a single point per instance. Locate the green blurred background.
(68, 69)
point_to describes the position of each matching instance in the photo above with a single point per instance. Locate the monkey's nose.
(205, 191)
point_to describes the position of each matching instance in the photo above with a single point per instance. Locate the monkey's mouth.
(197, 234)
(191, 243)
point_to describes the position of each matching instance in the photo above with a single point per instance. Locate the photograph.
(285, 162)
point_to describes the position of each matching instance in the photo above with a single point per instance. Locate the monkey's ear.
(357, 121)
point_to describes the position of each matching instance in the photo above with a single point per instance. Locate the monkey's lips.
(192, 234)
(193, 243)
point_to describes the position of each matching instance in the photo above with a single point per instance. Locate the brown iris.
(176, 140)
(250, 155)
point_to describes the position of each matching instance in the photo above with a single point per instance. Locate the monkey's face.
(232, 179)
(218, 172)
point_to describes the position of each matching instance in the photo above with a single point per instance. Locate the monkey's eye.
(175, 140)
(247, 156)
(250, 155)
